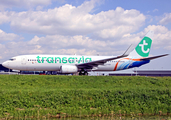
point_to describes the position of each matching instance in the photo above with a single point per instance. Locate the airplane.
(69, 64)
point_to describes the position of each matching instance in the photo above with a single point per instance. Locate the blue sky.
(105, 27)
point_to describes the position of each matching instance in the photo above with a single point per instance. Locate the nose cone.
(5, 64)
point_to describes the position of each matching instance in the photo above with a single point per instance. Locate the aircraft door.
(23, 60)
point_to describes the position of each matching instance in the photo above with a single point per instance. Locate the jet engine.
(68, 69)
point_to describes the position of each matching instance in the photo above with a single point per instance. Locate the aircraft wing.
(95, 63)
(154, 57)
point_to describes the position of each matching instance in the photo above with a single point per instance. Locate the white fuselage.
(54, 62)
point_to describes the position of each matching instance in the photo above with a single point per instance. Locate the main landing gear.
(83, 72)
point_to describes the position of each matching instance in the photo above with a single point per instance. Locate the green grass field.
(35, 96)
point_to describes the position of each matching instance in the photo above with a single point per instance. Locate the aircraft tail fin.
(143, 48)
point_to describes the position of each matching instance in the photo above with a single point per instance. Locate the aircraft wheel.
(83, 73)
(86, 73)
(48, 73)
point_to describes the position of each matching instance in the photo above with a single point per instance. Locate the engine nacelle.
(68, 69)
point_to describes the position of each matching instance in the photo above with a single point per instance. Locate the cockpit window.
(12, 59)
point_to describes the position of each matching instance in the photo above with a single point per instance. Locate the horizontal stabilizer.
(154, 57)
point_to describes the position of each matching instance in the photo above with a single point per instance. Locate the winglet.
(127, 52)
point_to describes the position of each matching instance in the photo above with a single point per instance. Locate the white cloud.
(22, 3)
(4, 17)
(58, 44)
(52, 42)
(36, 50)
(168, 47)
(166, 19)
(155, 10)
(161, 35)
(34, 40)
(8, 36)
(71, 20)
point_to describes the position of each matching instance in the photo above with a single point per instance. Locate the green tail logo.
(143, 48)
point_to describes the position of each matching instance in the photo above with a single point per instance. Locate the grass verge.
(34, 96)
